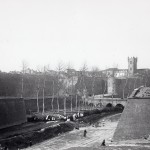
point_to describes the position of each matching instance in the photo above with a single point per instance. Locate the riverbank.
(96, 133)
(48, 131)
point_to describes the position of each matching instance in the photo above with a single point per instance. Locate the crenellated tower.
(132, 65)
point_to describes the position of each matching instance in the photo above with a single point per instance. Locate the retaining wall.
(12, 112)
(135, 121)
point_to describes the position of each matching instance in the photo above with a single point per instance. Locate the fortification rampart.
(134, 121)
(12, 112)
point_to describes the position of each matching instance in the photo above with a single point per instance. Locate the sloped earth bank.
(30, 134)
(96, 133)
(35, 135)
(29, 138)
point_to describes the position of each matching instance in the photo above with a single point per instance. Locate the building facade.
(132, 65)
(132, 73)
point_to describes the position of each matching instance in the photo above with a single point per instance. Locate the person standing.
(103, 143)
(85, 132)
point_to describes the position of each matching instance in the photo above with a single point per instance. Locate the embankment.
(33, 137)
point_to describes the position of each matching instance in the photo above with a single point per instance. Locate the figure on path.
(85, 132)
(103, 143)
(30, 143)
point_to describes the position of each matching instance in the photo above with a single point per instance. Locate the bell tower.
(132, 65)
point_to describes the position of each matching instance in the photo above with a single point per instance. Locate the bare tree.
(78, 93)
(64, 105)
(124, 87)
(83, 71)
(70, 77)
(134, 83)
(53, 94)
(94, 71)
(24, 68)
(129, 89)
(60, 69)
(146, 78)
(37, 94)
(105, 86)
(141, 81)
(76, 101)
(65, 95)
(43, 90)
(47, 69)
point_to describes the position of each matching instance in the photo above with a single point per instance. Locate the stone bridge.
(106, 102)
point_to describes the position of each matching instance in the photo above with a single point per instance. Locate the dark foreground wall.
(12, 112)
(135, 121)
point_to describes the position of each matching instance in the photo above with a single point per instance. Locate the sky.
(101, 33)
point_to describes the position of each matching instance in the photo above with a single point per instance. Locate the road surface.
(96, 133)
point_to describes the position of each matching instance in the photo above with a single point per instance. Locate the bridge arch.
(108, 102)
(109, 105)
(120, 106)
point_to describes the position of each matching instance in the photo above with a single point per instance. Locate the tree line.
(63, 83)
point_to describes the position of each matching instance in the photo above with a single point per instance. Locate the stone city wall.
(12, 112)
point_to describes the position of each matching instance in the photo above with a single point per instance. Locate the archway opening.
(119, 107)
(109, 105)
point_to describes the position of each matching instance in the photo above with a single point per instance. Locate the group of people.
(103, 142)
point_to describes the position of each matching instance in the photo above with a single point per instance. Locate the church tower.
(132, 65)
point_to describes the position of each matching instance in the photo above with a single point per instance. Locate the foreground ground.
(28, 134)
(96, 133)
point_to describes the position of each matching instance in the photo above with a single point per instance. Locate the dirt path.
(104, 130)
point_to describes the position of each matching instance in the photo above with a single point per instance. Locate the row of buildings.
(120, 82)
(117, 79)
(139, 77)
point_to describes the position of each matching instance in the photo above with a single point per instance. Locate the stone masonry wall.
(12, 112)
(135, 121)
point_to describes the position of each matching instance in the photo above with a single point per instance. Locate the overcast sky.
(102, 33)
